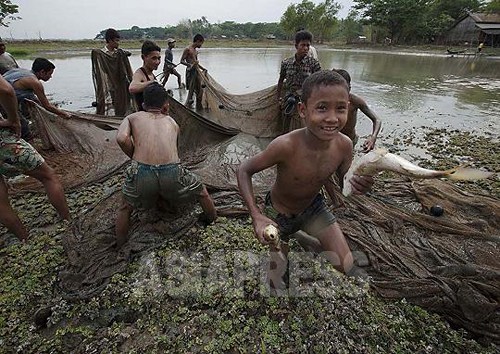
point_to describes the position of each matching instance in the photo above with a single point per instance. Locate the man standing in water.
(190, 59)
(19, 157)
(151, 57)
(150, 139)
(169, 66)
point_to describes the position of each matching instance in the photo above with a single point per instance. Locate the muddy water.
(407, 91)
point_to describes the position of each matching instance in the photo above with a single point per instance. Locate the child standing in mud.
(150, 139)
(305, 159)
(355, 103)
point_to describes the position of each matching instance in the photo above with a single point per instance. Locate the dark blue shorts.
(312, 220)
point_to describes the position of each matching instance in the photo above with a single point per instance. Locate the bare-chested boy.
(151, 57)
(355, 103)
(305, 159)
(190, 59)
(150, 139)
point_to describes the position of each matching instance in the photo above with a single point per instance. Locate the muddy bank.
(183, 295)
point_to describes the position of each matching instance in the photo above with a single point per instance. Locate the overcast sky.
(79, 19)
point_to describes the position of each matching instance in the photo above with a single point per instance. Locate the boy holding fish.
(305, 159)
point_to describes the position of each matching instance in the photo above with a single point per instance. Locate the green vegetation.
(159, 305)
(403, 21)
(413, 21)
(185, 29)
(54, 48)
(493, 6)
(48, 48)
(7, 12)
(319, 19)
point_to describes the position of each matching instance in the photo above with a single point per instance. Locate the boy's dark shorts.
(145, 184)
(312, 220)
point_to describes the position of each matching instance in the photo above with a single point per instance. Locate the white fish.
(381, 160)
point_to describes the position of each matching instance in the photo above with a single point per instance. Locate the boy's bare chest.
(312, 168)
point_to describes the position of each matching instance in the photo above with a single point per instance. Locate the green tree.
(7, 10)
(324, 20)
(493, 6)
(319, 19)
(404, 20)
(455, 8)
(184, 29)
(351, 27)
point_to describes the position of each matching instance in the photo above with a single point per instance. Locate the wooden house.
(475, 28)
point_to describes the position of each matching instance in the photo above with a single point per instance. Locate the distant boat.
(454, 52)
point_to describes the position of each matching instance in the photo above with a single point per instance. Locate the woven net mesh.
(447, 264)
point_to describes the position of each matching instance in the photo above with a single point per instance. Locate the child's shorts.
(144, 184)
(312, 220)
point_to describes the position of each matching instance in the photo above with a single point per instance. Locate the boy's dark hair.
(42, 64)
(148, 47)
(344, 74)
(111, 34)
(155, 95)
(198, 37)
(321, 78)
(303, 36)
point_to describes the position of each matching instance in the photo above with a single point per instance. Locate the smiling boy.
(305, 159)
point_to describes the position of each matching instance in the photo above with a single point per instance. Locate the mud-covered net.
(112, 75)
(82, 150)
(448, 264)
(257, 113)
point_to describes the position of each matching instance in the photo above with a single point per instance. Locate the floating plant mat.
(448, 264)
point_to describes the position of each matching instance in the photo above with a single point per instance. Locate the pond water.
(407, 91)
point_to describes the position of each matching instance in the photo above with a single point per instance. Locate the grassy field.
(33, 48)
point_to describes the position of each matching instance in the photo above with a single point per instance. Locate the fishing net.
(82, 150)
(112, 75)
(257, 113)
(448, 264)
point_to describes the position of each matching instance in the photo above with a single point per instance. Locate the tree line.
(401, 21)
